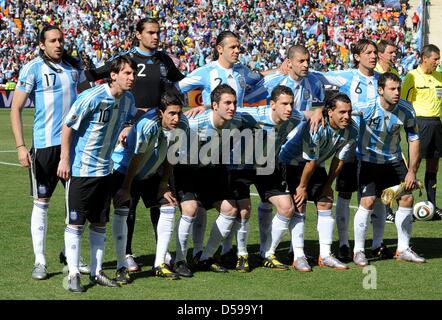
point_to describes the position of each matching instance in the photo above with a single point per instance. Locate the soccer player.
(422, 87)
(381, 164)
(155, 70)
(386, 57)
(89, 134)
(303, 156)
(194, 175)
(51, 80)
(360, 85)
(140, 170)
(224, 69)
(308, 93)
(277, 119)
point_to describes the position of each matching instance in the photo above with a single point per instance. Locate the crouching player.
(141, 170)
(304, 155)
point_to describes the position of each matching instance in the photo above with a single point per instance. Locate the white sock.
(296, 227)
(183, 231)
(342, 218)
(360, 228)
(39, 226)
(325, 231)
(220, 229)
(226, 246)
(97, 241)
(265, 224)
(280, 225)
(164, 231)
(199, 230)
(403, 221)
(242, 237)
(119, 235)
(72, 243)
(378, 221)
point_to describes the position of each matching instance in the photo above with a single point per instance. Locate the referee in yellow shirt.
(423, 88)
(386, 57)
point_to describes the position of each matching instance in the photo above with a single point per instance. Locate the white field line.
(334, 204)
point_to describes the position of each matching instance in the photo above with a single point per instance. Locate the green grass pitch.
(393, 280)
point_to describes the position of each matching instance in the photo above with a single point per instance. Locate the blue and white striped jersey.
(151, 140)
(256, 128)
(309, 92)
(53, 93)
(204, 142)
(379, 136)
(358, 87)
(211, 75)
(303, 145)
(97, 118)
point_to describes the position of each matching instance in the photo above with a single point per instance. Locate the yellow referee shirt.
(379, 69)
(424, 91)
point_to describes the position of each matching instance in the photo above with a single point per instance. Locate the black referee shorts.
(430, 134)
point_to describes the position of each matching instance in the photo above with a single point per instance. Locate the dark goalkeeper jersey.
(154, 71)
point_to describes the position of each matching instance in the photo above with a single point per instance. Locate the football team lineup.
(227, 160)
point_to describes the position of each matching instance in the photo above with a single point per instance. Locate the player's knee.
(285, 208)
(406, 201)
(189, 208)
(368, 202)
(324, 205)
(229, 210)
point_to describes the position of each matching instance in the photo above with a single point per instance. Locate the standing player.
(89, 135)
(53, 78)
(308, 93)
(304, 155)
(140, 170)
(422, 87)
(360, 85)
(224, 69)
(155, 69)
(381, 164)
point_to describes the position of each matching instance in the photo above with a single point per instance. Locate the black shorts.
(89, 198)
(347, 180)
(430, 135)
(374, 177)
(208, 184)
(315, 185)
(267, 185)
(146, 189)
(43, 171)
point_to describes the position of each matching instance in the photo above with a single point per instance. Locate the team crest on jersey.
(306, 94)
(73, 215)
(74, 76)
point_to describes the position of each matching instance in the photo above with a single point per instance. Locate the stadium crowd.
(96, 30)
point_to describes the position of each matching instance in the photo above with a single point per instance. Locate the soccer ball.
(423, 210)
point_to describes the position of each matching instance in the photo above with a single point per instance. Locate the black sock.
(430, 181)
